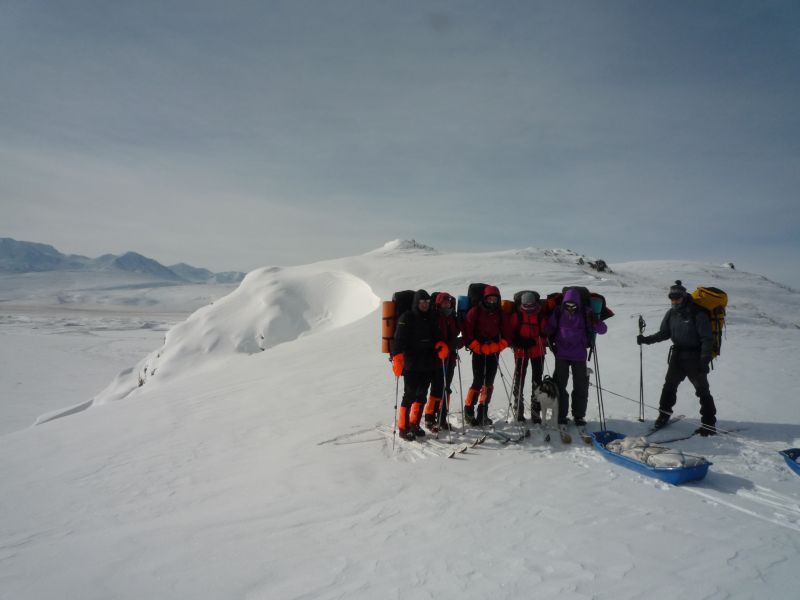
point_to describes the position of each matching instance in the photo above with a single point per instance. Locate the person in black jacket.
(689, 328)
(416, 358)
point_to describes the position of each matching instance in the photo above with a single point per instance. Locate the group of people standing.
(428, 336)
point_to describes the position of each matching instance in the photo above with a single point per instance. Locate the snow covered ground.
(64, 335)
(239, 457)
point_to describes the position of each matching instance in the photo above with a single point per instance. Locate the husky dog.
(546, 393)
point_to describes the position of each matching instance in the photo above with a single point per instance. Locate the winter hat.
(572, 295)
(491, 290)
(677, 291)
(419, 295)
(443, 297)
(529, 298)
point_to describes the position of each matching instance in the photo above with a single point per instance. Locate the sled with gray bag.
(668, 465)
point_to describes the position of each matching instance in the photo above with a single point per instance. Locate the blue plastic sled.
(673, 475)
(790, 456)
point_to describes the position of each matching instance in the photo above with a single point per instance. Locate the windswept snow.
(272, 306)
(403, 245)
(250, 466)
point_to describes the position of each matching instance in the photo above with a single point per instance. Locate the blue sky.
(240, 134)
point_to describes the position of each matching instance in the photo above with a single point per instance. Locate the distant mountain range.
(29, 257)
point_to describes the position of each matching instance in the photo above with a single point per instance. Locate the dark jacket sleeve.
(403, 333)
(663, 332)
(703, 324)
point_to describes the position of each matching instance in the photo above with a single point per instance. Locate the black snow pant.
(520, 368)
(442, 380)
(580, 388)
(682, 365)
(415, 387)
(484, 370)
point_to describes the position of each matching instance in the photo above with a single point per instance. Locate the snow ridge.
(397, 246)
(272, 306)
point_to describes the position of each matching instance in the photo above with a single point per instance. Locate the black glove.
(640, 339)
(705, 364)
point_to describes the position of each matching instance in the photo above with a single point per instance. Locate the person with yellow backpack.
(693, 345)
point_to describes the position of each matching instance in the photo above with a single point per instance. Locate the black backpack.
(403, 302)
(475, 293)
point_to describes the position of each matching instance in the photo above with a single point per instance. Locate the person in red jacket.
(449, 329)
(486, 333)
(528, 345)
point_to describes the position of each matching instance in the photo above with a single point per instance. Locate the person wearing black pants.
(437, 406)
(570, 328)
(486, 333)
(580, 389)
(416, 358)
(687, 364)
(528, 346)
(689, 328)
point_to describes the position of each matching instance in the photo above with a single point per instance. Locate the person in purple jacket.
(569, 327)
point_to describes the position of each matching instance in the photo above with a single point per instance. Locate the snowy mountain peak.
(26, 257)
(133, 262)
(403, 246)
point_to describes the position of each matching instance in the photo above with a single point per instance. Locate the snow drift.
(272, 306)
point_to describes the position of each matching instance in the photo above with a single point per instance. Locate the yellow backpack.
(713, 301)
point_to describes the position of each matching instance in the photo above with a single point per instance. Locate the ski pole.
(508, 413)
(444, 411)
(519, 370)
(396, 391)
(505, 387)
(460, 392)
(599, 388)
(642, 325)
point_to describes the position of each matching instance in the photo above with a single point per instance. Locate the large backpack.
(591, 300)
(391, 311)
(713, 301)
(586, 295)
(473, 297)
(475, 293)
(518, 297)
